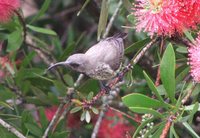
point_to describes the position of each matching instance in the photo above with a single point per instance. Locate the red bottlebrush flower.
(194, 59)
(113, 126)
(49, 112)
(165, 17)
(7, 7)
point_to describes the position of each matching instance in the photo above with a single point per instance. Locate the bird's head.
(77, 62)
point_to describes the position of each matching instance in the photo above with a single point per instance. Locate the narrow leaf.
(42, 30)
(43, 117)
(87, 117)
(6, 105)
(94, 110)
(137, 45)
(167, 72)
(83, 7)
(103, 18)
(152, 86)
(191, 107)
(189, 36)
(83, 116)
(35, 130)
(43, 9)
(195, 135)
(146, 111)
(75, 109)
(194, 110)
(139, 100)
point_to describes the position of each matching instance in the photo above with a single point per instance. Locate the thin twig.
(57, 115)
(54, 120)
(127, 115)
(157, 83)
(77, 83)
(112, 19)
(99, 120)
(11, 129)
(189, 93)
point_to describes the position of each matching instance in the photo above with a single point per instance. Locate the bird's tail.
(120, 35)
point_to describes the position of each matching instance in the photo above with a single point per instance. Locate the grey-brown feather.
(100, 61)
(108, 51)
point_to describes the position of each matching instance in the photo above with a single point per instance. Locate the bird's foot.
(120, 77)
(107, 89)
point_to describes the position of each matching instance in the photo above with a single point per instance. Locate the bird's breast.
(102, 72)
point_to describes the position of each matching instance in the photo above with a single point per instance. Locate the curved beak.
(57, 64)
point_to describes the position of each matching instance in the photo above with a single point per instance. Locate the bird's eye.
(74, 65)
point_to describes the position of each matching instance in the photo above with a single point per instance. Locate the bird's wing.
(109, 51)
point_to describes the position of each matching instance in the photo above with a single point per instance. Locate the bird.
(101, 61)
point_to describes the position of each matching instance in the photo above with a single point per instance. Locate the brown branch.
(167, 126)
(11, 129)
(99, 120)
(157, 83)
(127, 115)
(21, 19)
(114, 16)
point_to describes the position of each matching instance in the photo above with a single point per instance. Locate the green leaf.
(155, 127)
(6, 105)
(41, 30)
(152, 87)
(188, 35)
(146, 111)
(159, 131)
(15, 40)
(43, 118)
(87, 117)
(28, 58)
(90, 96)
(194, 110)
(35, 130)
(69, 80)
(83, 115)
(42, 11)
(40, 95)
(94, 110)
(167, 72)
(137, 45)
(191, 107)
(75, 109)
(60, 87)
(131, 18)
(194, 134)
(181, 49)
(103, 18)
(53, 98)
(139, 100)
(172, 130)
